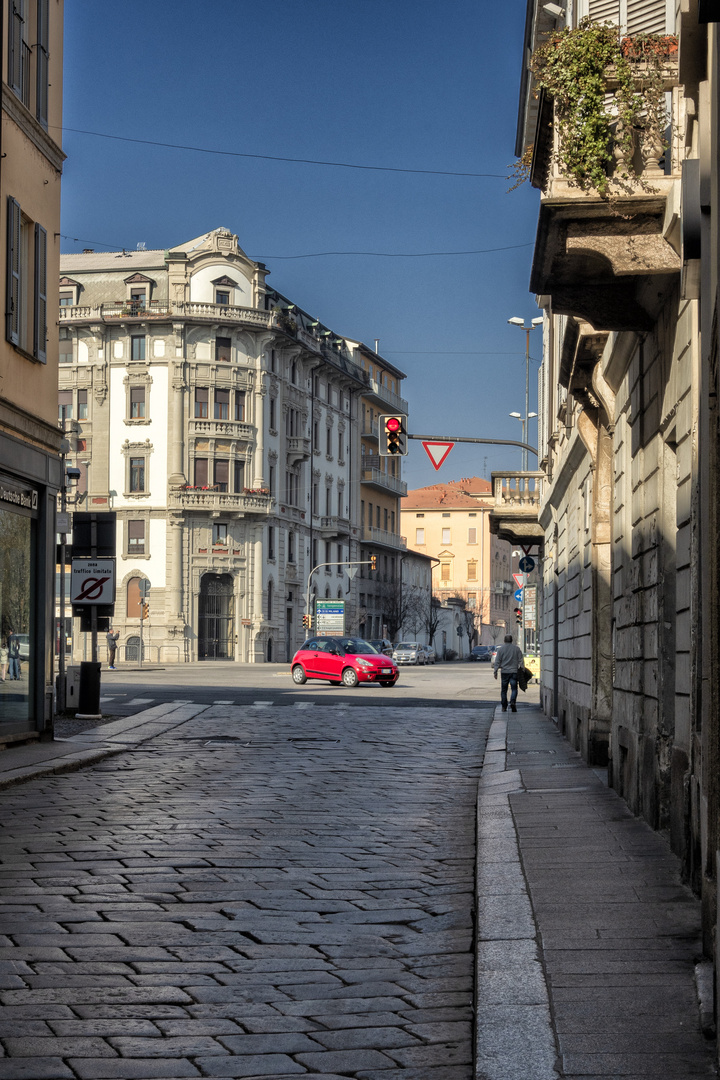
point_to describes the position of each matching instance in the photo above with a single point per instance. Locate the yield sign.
(437, 452)
(518, 580)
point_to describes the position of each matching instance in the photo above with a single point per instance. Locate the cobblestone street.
(261, 891)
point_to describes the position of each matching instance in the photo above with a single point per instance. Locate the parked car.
(409, 652)
(24, 645)
(430, 656)
(345, 660)
(493, 653)
(382, 645)
(480, 652)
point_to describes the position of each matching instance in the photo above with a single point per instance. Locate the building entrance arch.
(216, 632)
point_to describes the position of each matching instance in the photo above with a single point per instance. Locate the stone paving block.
(132, 1069)
(58, 1046)
(346, 1061)
(277, 1042)
(374, 1038)
(181, 1047)
(104, 1028)
(34, 1069)
(258, 1065)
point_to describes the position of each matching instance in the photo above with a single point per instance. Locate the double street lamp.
(516, 321)
(524, 420)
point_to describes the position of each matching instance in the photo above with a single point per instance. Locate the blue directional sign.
(518, 596)
(527, 563)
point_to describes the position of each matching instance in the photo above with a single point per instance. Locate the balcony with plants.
(606, 157)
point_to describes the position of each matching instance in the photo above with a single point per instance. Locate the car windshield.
(408, 645)
(356, 646)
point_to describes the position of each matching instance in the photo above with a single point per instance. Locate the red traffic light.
(392, 423)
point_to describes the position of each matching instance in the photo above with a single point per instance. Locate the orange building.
(451, 523)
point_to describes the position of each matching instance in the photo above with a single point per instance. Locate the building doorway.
(216, 632)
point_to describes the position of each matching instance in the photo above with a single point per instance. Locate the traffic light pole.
(458, 439)
(359, 562)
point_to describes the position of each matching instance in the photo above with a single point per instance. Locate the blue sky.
(397, 84)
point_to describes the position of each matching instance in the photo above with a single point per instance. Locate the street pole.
(527, 392)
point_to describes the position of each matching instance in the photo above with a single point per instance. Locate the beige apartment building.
(31, 161)
(380, 603)
(451, 523)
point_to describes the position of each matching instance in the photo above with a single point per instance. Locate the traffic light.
(518, 615)
(145, 614)
(373, 562)
(393, 435)
(307, 622)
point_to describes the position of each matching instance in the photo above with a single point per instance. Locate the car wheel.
(299, 675)
(350, 677)
(388, 684)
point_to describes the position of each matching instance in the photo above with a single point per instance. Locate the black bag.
(525, 676)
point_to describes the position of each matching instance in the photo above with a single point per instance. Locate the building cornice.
(30, 127)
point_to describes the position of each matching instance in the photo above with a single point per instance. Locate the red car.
(345, 660)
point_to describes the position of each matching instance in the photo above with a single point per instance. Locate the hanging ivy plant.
(579, 68)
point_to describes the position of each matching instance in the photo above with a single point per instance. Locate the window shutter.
(41, 55)
(40, 306)
(12, 298)
(646, 17)
(604, 10)
(15, 43)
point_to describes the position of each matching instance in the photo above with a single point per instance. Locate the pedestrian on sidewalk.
(13, 647)
(3, 659)
(508, 658)
(112, 640)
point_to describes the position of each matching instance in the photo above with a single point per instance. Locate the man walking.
(508, 658)
(13, 647)
(112, 640)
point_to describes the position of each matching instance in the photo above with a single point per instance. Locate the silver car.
(409, 652)
(430, 656)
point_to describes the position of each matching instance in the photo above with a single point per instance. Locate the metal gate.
(217, 620)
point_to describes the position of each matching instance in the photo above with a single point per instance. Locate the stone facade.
(219, 422)
(629, 436)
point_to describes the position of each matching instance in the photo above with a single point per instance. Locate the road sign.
(437, 452)
(330, 618)
(526, 564)
(518, 578)
(518, 596)
(531, 607)
(92, 581)
(144, 587)
(351, 571)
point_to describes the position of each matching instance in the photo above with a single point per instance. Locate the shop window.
(133, 598)
(136, 537)
(17, 561)
(202, 396)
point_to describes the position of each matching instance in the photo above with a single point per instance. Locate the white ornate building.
(220, 423)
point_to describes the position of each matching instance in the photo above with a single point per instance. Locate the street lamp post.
(524, 421)
(517, 321)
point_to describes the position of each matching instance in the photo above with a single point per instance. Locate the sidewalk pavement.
(587, 940)
(20, 763)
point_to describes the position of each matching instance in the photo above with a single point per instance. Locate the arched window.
(133, 598)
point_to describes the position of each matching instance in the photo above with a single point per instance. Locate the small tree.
(432, 607)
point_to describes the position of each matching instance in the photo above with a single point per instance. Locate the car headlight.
(364, 664)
